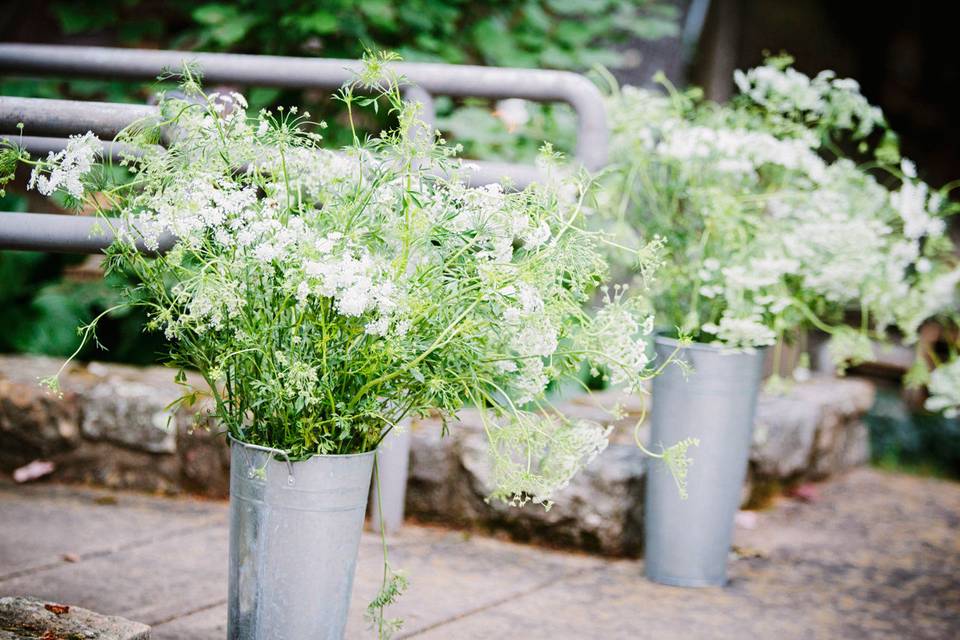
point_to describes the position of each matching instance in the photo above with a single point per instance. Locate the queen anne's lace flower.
(911, 203)
(944, 387)
(66, 169)
(767, 231)
(326, 294)
(747, 332)
(831, 101)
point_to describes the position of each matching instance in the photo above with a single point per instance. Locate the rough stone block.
(34, 423)
(109, 429)
(204, 459)
(106, 465)
(130, 413)
(29, 619)
(598, 511)
(110, 426)
(810, 432)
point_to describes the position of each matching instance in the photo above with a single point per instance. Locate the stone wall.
(811, 432)
(112, 427)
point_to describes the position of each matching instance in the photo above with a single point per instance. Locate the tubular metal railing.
(48, 122)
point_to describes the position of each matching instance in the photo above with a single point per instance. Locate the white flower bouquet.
(324, 295)
(771, 227)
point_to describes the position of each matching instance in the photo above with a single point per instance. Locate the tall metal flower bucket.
(294, 533)
(390, 482)
(687, 541)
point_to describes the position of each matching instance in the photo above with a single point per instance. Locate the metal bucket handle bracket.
(291, 479)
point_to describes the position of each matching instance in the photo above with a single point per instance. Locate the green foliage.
(770, 226)
(923, 443)
(675, 457)
(556, 34)
(395, 583)
(565, 34)
(490, 134)
(42, 311)
(514, 33)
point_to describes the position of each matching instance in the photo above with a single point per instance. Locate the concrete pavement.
(874, 555)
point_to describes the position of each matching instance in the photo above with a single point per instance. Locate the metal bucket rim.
(719, 349)
(286, 454)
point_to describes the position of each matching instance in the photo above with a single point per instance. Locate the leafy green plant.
(511, 130)
(563, 34)
(534, 33)
(324, 296)
(770, 227)
(914, 442)
(42, 310)
(559, 34)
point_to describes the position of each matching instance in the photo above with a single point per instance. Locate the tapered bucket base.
(389, 492)
(687, 541)
(294, 533)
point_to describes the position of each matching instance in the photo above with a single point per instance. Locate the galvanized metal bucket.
(390, 481)
(687, 541)
(294, 533)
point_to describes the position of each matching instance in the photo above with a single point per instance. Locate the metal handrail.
(53, 119)
(67, 117)
(58, 233)
(291, 72)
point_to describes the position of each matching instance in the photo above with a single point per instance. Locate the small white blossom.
(944, 389)
(66, 169)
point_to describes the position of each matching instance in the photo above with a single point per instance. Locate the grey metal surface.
(65, 117)
(40, 146)
(276, 71)
(294, 533)
(390, 480)
(687, 542)
(49, 122)
(62, 233)
(46, 117)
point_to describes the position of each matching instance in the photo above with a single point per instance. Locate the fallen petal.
(33, 470)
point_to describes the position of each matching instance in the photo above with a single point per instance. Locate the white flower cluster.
(944, 388)
(826, 99)
(766, 231)
(313, 174)
(498, 222)
(619, 337)
(191, 207)
(354, 280)
(561, 449)
(325, 295)
(916, 207)
(746, 332)
(66, 169)
(736, 151)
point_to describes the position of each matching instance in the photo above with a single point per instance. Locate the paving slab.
(44, 523)
(873, 555)
(455, 575)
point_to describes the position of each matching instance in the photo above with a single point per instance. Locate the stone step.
(809, 433)
(29, 619)
(112, 428)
